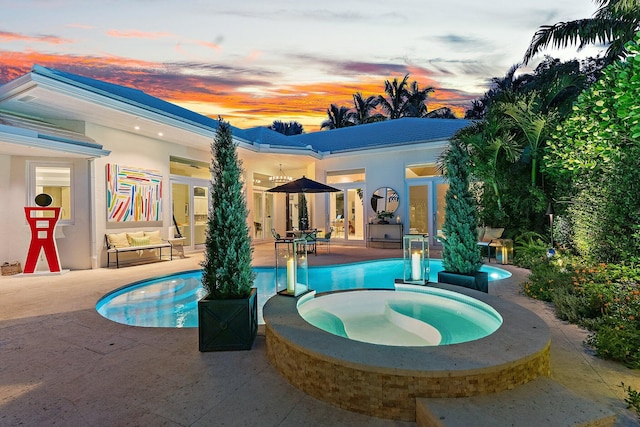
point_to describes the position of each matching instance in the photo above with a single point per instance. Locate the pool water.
(172, 301)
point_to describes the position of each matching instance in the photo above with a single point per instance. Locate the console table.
(385, 236)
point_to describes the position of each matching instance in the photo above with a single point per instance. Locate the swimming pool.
(172, 301)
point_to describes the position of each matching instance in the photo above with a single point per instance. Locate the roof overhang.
(21, 136)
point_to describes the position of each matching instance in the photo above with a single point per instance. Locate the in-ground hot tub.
(431, 316)
(384, 380)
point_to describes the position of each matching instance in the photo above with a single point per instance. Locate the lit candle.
(416, 273)
(291, 276)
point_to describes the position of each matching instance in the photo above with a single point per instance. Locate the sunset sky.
(254, 62)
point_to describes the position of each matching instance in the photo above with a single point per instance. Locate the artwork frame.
(133, 194)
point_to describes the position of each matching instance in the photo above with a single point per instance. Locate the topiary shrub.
(227, 271)
(460, 252)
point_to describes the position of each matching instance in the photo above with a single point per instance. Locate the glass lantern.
(415, 248)
(292, 269)
(504, 252)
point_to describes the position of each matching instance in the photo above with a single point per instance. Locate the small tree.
(227, 271)
(303, 212)
(460, 253)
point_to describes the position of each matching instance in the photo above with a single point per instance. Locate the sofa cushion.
(139, 241)
(154, 237)
(118, 240)
(492, 234)
(134, 234)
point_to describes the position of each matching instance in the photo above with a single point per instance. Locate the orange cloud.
(306, 103)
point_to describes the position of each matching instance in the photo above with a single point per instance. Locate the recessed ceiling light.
(136, 127)
(160, 134)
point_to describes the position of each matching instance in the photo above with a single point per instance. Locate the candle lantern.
(416, 258)
(292, 269)
(504, 252)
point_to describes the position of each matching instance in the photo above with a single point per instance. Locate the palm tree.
(362, 110)
(487, 141)
(416, 100)
(287, 128)
(398, 93)
(338, 118)
(534, 127)
(614, 23)
(441, 113)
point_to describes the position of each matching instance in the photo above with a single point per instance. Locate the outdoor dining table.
(308, 235)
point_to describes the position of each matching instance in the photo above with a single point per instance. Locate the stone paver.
(62, 363)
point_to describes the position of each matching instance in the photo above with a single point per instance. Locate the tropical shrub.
(604, 298)
(597, 149)
(530, 248)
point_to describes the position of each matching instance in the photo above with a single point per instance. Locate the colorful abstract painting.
(133, 194)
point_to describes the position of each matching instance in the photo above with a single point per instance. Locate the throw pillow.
(139, 241)
(118, 240)
(492, 234)
(135, 234)
(154, 237)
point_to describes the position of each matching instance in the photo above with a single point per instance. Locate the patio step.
(542, 402)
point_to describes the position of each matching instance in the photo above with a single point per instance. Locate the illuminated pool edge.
(184, 315)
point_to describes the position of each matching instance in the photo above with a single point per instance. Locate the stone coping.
(521, 335)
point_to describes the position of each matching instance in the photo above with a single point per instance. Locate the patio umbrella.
(301, 185)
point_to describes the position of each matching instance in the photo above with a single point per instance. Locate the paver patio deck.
(62, 363)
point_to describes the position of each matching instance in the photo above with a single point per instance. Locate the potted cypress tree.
(461, 257)
(228, 313)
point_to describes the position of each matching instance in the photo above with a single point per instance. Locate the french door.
(346, 213)
(426, 206)
(190, 208)
(262, 214)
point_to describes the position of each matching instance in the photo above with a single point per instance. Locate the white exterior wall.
(81, 245)
(72, 240)
(129, 149)
(383, 168)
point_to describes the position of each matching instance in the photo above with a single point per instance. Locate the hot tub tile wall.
(385, 381)
(384, 395)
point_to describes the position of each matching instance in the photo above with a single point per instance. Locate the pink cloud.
(136, 34)
(44, 38)
(210, 45)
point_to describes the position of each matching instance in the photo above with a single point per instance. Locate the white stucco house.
(74, 138)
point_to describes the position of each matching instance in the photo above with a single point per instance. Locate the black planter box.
(229, 324)
(479, 281)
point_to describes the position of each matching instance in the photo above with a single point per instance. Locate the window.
(55, 180)
(422, 171)
(339, 177)
(188, 167)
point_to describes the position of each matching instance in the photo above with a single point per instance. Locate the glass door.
(262, 214)
(200, 214)
(181, 208)
(346, 209)
(426, 207)
(190, 209)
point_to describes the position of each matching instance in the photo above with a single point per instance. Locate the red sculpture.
(42, 221)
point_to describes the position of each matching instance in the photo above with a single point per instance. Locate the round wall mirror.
(385, 199)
